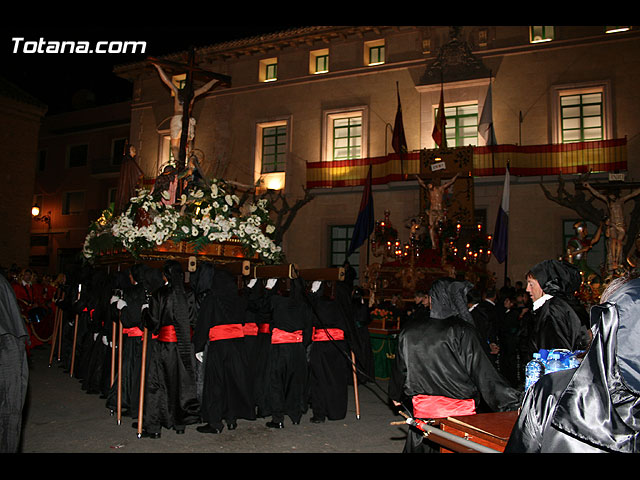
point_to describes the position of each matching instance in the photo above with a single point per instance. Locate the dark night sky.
(54, 78)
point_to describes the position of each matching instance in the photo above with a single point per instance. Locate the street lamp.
(35, 213)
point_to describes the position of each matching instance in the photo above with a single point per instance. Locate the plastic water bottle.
(533, 371)
(554, 364)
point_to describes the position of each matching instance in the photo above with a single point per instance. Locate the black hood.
(449, 298)
(556, 277)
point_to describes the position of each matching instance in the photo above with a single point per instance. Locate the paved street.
(61, 418)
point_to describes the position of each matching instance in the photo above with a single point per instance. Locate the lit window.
(347, 138)
(274, 148)
(581, 117)
(616, 29)
(345, 134)
(271, 150)
(541, 34)
(374, 52)
(268, 70)
(319, 61)
(462, 125)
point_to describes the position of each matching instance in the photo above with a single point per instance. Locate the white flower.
(270, 229)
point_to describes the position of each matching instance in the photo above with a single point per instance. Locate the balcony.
(523, 160)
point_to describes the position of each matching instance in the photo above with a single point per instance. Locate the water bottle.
(554, 363)
(533, 371)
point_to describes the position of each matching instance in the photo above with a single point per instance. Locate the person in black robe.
(259, 303)
(356, 311)
(257, 340)
(508, 327)
(226, 390)
(555, 321)
(14, 368)
(329, 357)
(170, 399)
(130, 306)
(97, 377)
(290, 336)
(441, 368)
(485, 316)
(592, 408)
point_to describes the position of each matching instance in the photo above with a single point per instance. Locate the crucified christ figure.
(615, 225)
(179, 110)
(436, 208)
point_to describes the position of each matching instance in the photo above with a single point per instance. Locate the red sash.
(434, 406)
(264, 328)
(224, 332)
(250, 329)
(132, 332)
(324, 334)
(282, 336)
(167, 334)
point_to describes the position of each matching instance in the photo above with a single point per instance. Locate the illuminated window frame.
(374, 52)
(268, 70)
(461, 119)
(540, 34)
(330, 117)
(319, 61)
(275, 179)
(560, 91)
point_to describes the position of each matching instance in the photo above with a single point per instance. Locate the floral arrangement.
(381, 314)
(202, 216)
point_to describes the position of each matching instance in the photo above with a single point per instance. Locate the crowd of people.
(212, 348)
(206, 348)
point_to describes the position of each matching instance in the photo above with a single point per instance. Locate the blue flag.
(365, 222)
(501, 232)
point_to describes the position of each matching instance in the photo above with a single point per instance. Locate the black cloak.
(329, 359)
(594, 408)
(170, 391)
(288, 361)
(557, 324)
(226, 392)
(14, 374)
(444, 356)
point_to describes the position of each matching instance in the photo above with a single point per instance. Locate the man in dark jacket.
(592, 408)
(441, 368)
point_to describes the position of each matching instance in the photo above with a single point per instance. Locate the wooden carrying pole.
(355, 384)
(119, 371)
(113, 352)
(57, 332)
(143, 368)
(75, 336)
(57, 322)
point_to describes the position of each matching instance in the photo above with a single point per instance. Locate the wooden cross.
(191, 70)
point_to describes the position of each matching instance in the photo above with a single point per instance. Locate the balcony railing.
(523, 160)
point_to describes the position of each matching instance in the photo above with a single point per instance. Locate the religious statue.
(130, 174)
(436, 207)
(578, 248)
(180, 94)
(616, 228)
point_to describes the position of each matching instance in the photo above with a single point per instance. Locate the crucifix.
(182, 123)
